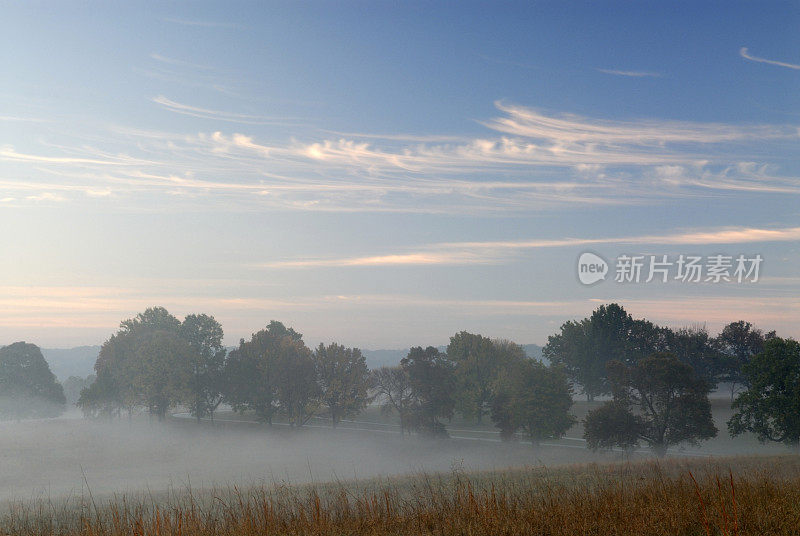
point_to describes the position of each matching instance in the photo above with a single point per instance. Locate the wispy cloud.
(46, 196)
(493, 252)
(17, 119)
(399, 259)
(632, 74)
(8, 153)
(421, 138)
(217, 115)
(527, 160)
(565, 129)
(743, 52)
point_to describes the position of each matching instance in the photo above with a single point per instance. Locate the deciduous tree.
(534, 398)
(770, 407)
(343, 379)
(430, 376)
(693, 346)
(739, 341)
(161, 371)
(27, 386)
(392, 387)
(665, 399)
(252, 371)
(207, 363)
(297, 387)
(477, 362)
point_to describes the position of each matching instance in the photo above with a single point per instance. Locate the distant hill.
(534, 351)
(391, 358)
(66, 362)
(384, 358)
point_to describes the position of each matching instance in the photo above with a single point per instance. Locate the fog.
(51, 458)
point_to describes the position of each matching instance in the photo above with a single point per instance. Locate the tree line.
(655, 380)
(157, 362)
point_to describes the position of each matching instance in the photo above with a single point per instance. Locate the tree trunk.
(660, 449)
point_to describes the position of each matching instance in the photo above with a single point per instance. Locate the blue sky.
(386, 174)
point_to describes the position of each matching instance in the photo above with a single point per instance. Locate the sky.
(387, 174)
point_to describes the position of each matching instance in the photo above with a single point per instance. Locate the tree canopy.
(738, 342)
(343, 379)
(585, 347)
(477, 362)
(770, 407)
(28, 389)
(430, 376)
(659, 400)
(534, 398)
(156, 361)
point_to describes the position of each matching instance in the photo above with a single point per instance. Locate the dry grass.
(677, 497)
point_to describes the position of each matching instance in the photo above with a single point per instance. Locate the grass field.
(738, 495)
(239, 477)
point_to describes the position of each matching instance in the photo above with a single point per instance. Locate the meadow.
(728, 496)
(237, 476)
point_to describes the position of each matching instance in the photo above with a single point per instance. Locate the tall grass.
(734, 496)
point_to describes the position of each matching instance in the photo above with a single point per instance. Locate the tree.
(251, 372)
(152, 319)
(666, 400)
(73, 387)
(478, 360)
(101, 398)
(610, 334)
(161, 371)
(770, 407)
(343, 379)
(297, 388)
(572, 349)
(584, 348)
(430, 376)
(207, 363)
(693, 346)
(535, 398)
(739, 341)
(644, 339)
(156, 361)
(392, 386)
(27, 386)
(112, 390)
(613, 425)
(255, 372)
(118, 368)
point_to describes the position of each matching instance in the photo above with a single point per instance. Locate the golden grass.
(736, 496)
